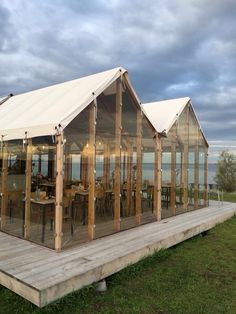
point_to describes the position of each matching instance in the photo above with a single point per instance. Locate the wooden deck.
(41, 275)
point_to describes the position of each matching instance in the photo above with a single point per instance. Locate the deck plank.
(42, 275)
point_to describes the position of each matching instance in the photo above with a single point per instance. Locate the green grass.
(197, 276)
(228, 197)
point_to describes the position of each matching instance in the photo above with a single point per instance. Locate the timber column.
(91, 168)
(157, 178)
(118, 128)
(205, 194)
(59, 192)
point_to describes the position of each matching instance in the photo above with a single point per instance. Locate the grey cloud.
(171, 49)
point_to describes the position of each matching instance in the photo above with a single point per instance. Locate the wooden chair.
(100, 195)
(14, 202)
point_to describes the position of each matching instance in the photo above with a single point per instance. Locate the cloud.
(171, 49)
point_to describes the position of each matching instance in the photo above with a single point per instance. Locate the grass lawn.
(197, 276)
(228, 197)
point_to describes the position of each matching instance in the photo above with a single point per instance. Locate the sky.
(171, 49)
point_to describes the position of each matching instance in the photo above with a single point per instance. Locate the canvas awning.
(163, 114)
(40, 112)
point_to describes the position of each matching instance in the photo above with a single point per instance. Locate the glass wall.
(193, 167)
(121, 172)
(148, 164)
(129, 162)
(75, 185)
(43, 186)
(105, 162)
(14, 192)
(183, 166)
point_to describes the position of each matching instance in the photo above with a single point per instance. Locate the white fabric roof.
(2, 98)
(163, 114)
(38, 112)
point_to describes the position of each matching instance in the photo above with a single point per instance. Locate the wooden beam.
(173, 137)
(28, 173)
(91, 169)
(129, 179)
(196, 171)
(185, 163)
(117, 187)
(139, 168)
(59, 193)
(157, 179)
(205, 196)
(4, 185)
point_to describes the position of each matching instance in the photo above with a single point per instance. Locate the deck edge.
(73, 284)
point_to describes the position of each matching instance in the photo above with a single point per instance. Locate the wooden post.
(59, 193)
(118, 127)
(157, 179)
(28, 173)
(181, 176)
(129, 179)
(91, 169)
(4, 185)
(185, 163)
(139, 168)
(196, 171)
(124, 166)
(205, 198)
(173, 171)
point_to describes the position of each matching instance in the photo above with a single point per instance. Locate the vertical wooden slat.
(185, 163)
(139, 168)
(129, 179)
(117, 186)
(59, 193)
(205, 197)
(4, 185)
(91, 169)
(28, 174)
(196, 171)
(124, 166)
(173, 171)
(157, 179)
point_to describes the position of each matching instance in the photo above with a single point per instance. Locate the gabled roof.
(40, 111)
(163, 114)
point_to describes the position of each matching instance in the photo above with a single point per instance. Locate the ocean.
(148, 172)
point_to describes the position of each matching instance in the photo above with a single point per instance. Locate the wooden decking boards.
(41, 275)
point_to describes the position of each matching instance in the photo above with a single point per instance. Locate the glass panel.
(16, 163)
(105, 162)
(75, 189)
(193, 160)
(148, 162)
(42, 210)
(168, 191)
(182, 138)
(129, 164)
